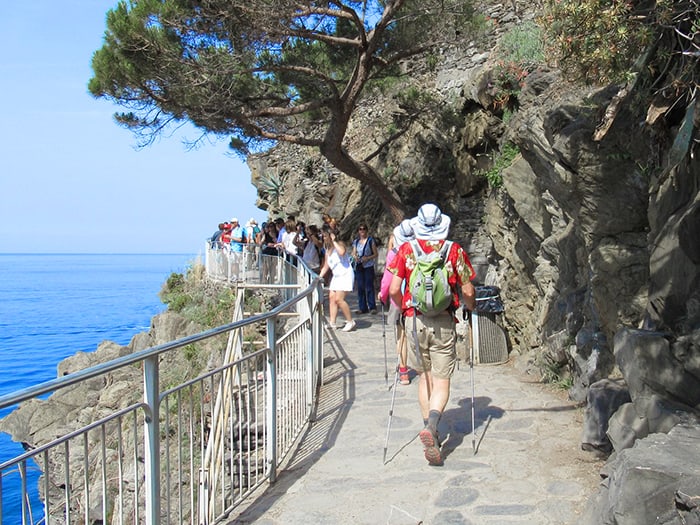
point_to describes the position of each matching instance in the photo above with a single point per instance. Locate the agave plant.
(271, 187)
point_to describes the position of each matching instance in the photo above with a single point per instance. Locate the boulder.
(649, 367)
(604, 398)
(655, 482)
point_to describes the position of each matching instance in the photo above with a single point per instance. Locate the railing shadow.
(335, 398)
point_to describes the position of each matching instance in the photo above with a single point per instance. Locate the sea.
(54, 305)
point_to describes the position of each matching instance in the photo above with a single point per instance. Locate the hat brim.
(436, 232)
(399, 238)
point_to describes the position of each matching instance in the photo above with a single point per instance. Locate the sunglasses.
(362, 229)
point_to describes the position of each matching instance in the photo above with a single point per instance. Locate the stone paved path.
(528, 466)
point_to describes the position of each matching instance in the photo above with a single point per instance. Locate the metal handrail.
(170, 424)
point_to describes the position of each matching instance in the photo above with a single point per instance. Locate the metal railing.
(187, 451)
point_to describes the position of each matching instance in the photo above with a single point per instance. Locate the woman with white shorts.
(337, 261)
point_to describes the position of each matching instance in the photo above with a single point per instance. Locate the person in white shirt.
(337, 261)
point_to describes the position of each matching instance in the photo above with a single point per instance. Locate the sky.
(74, 181)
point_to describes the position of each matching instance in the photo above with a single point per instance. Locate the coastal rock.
(37, 422)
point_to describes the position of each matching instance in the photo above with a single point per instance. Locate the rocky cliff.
(594, 243)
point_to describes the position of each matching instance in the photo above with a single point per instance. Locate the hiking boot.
(350, 325)
(404, 378)
(431, 444)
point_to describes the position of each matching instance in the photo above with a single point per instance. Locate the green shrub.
(205, 302)
(595, 41)
(523, 45)
(520, 51)
(503, 159)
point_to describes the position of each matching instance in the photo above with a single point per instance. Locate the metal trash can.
(488, 335)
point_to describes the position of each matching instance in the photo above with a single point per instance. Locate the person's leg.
(429, 395)
(361, 289)
(439, 393)
(433, 394)
(402, 345)
(442, 359)
(369, 289)
(401, 350)
(333, 306)
(424, 389)
(440, 332)
(343, 305)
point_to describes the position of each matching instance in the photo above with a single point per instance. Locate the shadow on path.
(336, 396)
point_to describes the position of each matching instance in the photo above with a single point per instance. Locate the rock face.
(593, 243)
(656, 481)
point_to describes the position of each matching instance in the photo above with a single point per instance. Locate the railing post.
(310, 356)
(272, 397)
(318, 325)
(152, 440)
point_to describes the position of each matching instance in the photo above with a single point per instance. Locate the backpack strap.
(417, 250)
(444, 253)
(445, 250)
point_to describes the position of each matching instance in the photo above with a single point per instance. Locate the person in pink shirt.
(401, 234)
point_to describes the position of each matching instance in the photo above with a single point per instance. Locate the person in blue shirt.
(236, 236)
(279, 224)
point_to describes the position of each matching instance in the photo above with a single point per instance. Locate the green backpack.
(428, 283)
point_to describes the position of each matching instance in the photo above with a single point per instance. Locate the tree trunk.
(368, 176)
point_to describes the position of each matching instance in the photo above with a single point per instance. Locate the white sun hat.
(430, 224)
(403, 233)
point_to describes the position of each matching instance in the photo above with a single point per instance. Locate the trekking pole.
(386, 364)
(391, 413)
(471, 372)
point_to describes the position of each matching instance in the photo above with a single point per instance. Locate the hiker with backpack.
(435, 270)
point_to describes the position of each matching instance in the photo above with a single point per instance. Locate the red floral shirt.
(457, 263)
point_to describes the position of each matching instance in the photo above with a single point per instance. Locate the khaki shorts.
(436, 337)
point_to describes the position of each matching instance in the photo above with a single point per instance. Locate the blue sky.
(71, 179)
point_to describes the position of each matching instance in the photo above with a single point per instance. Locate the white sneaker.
(350, 325)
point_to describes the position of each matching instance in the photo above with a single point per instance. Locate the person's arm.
(338, 245)
(298, 242)
(324, 268)
(375, 253)
(383, 294)
(465, 274)
(469, 295)
(395, 290)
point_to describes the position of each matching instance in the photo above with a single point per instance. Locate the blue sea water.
(53, 305)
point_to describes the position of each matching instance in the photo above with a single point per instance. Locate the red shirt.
(457, 263)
